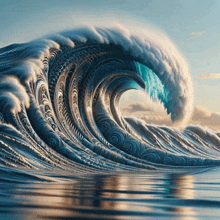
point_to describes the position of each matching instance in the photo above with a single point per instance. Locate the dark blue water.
(123, 196)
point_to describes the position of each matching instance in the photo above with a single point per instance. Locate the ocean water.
(155, 195)
(66, 151)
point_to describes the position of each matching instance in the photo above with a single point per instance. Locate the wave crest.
(61, 95)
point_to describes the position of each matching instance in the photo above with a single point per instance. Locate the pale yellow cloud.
(209, 76)
(201, 116)
(201, 112)
(197, 34)
(157, 119)
(204, 117)
(139, 106)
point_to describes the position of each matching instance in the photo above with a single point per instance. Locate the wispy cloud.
(139, 106)
(191, 37)
(201, 116)
(201, 113)
(197, 34)
(158, 119)
(209, 76)
(205, 117)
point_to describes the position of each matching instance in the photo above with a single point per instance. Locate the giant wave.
(59, 99)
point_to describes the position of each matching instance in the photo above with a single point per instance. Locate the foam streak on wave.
(60, 97)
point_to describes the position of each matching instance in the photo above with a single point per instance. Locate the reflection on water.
(181, 187)
(153, 196)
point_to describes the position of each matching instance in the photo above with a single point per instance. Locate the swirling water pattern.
(59, 99)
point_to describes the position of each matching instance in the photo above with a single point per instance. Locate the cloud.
(139, 102)
(197, 34)
(191, 37)
(139, 106)
(204, 117)
(209, 76)
(151, 113)
(200, 113)
(158, 119)
(201, 116)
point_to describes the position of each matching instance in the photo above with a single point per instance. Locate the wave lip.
(60, 97)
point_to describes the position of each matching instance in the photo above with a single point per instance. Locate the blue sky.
(193, 25)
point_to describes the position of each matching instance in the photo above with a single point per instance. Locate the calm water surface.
(123, 196)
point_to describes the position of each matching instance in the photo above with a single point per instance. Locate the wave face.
(59, 99)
